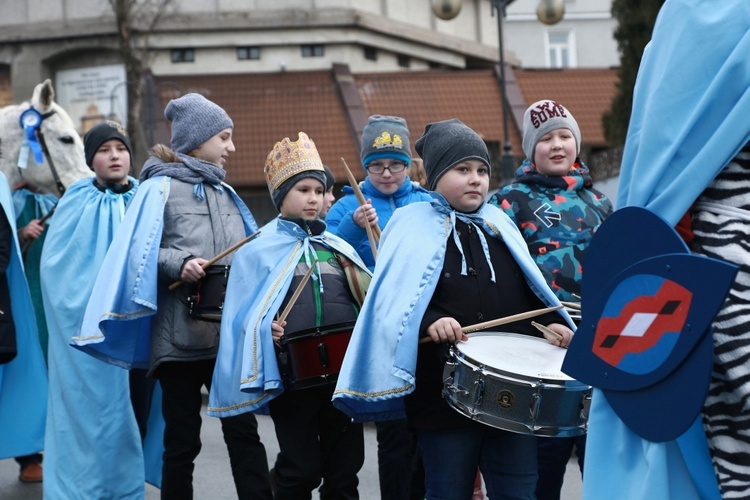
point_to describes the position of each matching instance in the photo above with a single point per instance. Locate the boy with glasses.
(386, 157)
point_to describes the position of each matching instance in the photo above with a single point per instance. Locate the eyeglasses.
(394, 168)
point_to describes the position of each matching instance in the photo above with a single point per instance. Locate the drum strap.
(358, 280)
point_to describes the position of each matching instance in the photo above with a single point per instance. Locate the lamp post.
(548, 12)
(508, 163)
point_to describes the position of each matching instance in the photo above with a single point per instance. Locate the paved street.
(213, 478)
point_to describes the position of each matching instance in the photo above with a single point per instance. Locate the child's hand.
(365, 214)
(446, 330)
(562, 330)
(277, 330)
(192, 270)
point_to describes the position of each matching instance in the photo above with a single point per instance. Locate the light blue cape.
(246, 376)
(380, 362)
(93, 445)
(117, 323)
(23, 381)
(690, 118)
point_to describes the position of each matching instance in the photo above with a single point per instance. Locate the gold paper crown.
(288, 158)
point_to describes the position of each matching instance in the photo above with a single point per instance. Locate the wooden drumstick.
(223, 254)
(547, 330)
(500, 321)
(373, 233)
(296, 293)
(571, 305)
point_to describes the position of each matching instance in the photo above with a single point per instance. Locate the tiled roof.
(268, 107)
(422, 97)
(587, 93)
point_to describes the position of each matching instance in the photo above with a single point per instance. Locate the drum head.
(520, 355)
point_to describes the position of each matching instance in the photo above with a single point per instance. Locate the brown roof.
(587, 93)
(267, 107)
(422, 97)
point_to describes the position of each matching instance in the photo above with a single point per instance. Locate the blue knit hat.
(385, 137)
(194, 120)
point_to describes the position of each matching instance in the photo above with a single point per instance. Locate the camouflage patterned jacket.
(557, 217)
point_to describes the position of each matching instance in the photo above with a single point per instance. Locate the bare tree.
(135, 21)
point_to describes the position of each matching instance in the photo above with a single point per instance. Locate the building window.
(246, 53)
(404, 61)
(371, 53)
(560, 50)
(313, 50)
(183, 55)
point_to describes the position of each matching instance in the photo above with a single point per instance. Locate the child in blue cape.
(467, 263)
(553, 203)
(262, 360)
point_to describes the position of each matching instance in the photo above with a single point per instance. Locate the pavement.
(213, 478)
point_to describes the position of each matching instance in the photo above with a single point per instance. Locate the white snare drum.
(513, 382)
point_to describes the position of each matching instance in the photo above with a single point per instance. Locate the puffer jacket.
(341, 223)
(558, 216)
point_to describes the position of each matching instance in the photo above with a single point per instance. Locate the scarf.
(574, 179)
(189, 169)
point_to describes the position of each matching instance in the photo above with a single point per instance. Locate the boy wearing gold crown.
(257, 366)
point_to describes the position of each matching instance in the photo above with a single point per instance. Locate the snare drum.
(313, 357)
(206, 300)
(513, 382)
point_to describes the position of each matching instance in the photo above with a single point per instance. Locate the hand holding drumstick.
(449, 330)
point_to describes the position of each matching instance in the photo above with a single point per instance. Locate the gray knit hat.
(385, 137)
(543, 117)
(194, 120)
(101, 133)
(446, 144)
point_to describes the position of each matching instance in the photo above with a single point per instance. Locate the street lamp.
(548, 12)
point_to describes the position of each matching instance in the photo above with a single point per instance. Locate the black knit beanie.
(101, 133)
(446, 144)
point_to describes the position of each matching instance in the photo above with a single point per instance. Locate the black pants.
(315, 441)
(399, 464)
(181, 384)
(553, 455)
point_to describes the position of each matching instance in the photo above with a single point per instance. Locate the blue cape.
(86, 455)
(690, 105)
(246, 376)
(23, 381)
(690, 109)
(117, 323)
(380, 362)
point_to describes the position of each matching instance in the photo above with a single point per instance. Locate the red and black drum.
(206, 300)
(313, 357)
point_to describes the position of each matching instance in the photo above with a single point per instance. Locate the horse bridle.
(45, 152)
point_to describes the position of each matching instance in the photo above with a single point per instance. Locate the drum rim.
(464, 357)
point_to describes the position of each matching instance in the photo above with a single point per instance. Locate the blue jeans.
(451, 457)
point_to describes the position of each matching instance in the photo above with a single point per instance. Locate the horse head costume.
(39, 144)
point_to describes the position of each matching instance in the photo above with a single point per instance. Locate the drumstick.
(547, 330)
(501, 321)
(373, 233)
(226, 252)
(358, 192)
(296, 293)
(576, 296)
(572, 305)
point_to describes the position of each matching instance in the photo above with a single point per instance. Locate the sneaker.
(31, 473)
